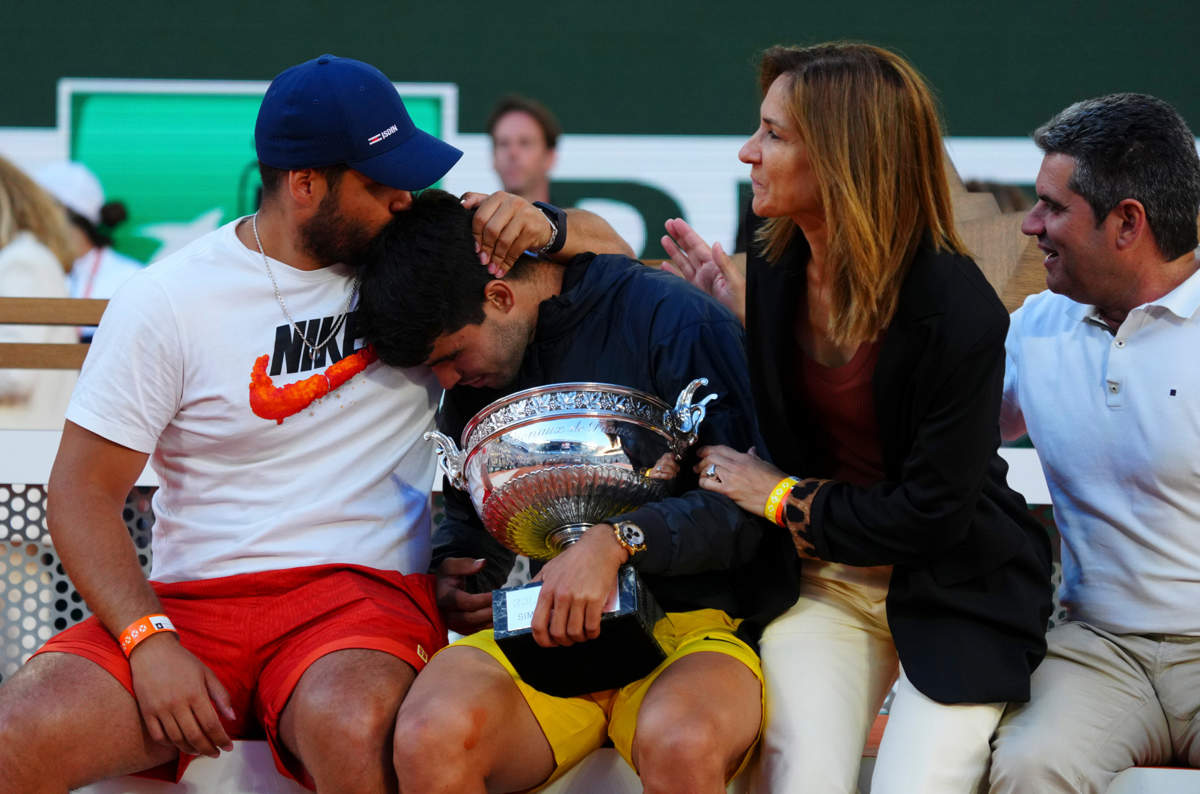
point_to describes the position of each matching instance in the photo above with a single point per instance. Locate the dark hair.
(1132, 146)
(273, 177)
(421, 279)
(112, 214)
(511, 103)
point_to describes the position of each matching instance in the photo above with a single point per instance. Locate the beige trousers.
(829, 662)
(1101, 702)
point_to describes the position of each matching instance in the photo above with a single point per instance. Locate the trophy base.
(625, 651)
(565, 535)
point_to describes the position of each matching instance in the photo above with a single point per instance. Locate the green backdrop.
(621, 66)
(195, 154)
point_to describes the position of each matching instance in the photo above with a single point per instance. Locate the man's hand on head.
(505, 226)
(575, 587)
(463, 611)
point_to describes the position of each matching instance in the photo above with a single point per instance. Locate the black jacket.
(970, 588)
(618, 321)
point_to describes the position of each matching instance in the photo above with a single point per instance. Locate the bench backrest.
(47, 311)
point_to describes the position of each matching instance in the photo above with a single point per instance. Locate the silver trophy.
(541, 466)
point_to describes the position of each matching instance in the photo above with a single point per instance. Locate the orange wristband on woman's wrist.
(142, 628)
(775, 502)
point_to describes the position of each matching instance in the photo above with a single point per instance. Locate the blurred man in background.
(524, 140)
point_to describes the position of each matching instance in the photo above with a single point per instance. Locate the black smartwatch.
(558, 219)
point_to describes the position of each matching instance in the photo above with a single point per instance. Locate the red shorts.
(259, 632)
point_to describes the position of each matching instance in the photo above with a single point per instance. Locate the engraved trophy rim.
(470, 439)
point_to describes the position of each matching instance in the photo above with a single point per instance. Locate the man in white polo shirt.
(1102, 374)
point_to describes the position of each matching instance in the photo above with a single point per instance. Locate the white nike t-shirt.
(342, 479)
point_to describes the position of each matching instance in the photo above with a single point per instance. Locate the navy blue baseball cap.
(331, 110)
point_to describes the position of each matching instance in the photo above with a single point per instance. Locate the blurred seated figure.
(35, 251)
(1010, 198)
(524, 139)
(98, 268)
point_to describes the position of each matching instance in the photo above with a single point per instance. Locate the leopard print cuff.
(798, 514)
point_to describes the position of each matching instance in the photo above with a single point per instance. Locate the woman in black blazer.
(877, 355)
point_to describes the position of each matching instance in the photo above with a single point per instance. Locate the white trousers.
(829, 662)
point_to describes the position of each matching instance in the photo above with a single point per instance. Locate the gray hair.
(1132, 146)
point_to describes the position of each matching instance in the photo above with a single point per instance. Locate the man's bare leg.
(696, 723)
(340, 717)
(466, 729)
(64, 723)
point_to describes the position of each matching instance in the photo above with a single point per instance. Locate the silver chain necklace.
(313, 349)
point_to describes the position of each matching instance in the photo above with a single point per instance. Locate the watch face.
(632, 535)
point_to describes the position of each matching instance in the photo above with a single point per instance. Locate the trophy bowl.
(543, 464)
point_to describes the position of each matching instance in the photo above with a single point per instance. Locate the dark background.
(620, 67)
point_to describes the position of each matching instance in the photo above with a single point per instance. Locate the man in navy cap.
(288, 596)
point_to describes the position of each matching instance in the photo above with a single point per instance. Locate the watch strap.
(558, 219)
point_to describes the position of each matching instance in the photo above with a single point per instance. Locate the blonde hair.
(874, 141)
(25, 206)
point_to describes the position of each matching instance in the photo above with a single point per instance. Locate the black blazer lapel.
(773, 293)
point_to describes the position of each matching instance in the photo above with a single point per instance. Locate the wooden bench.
(47, 311)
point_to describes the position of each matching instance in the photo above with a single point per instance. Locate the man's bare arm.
(85, 498)
(505, 226)
(587, 231)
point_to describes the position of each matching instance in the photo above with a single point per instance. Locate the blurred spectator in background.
(524, 136)
(1010, 198)
(35, 251)
(98, 269)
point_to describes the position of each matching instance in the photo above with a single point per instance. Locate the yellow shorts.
(575, 726)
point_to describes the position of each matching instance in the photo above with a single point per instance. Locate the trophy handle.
(450, 459)
(685, 419)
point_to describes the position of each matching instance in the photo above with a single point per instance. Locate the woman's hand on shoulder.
(707, 267)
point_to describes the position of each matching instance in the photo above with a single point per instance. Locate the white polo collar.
(1183, 302)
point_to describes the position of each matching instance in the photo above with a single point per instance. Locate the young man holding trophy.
(536, 352)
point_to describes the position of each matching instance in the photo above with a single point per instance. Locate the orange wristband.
(142, 628)
(775, 502)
